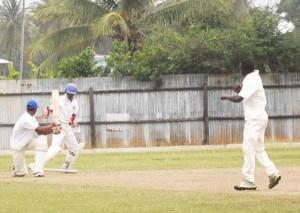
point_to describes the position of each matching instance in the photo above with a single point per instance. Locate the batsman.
(68, 109)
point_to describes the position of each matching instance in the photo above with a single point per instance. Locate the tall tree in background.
(10, 26)
(11, 30)
(76, 24)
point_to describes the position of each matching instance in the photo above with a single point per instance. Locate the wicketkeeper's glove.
(56, 129)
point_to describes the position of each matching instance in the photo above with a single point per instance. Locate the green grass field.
(17, 196)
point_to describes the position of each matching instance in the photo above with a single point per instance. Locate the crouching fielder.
(28, 134)
(68, 109)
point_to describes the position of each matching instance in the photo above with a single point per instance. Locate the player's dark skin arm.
(235, 99)
(42, 130)
(45, 130)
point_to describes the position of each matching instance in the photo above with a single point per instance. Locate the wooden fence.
(186, 110)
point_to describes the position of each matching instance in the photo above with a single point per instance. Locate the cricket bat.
(55, 105)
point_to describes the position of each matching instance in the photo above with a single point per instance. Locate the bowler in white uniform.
(256, 119)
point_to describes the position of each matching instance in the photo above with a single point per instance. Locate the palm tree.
(10, 26)
(76, 24)
(11, 29)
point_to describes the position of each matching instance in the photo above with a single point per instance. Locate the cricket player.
(28, 134)
(68, 107)
(256, 119)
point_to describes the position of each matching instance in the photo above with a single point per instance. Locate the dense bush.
(209, 49)
(12, 73)
(82, 65)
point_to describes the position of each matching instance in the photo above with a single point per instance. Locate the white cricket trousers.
(254, 147)
(68, 137)
(38, 144)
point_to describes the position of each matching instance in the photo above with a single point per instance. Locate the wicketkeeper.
(28, 134)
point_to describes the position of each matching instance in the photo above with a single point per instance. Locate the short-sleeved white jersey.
(24, 131)
(254, 102)
(67, 108)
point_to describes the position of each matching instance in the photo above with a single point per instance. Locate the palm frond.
(109, 23)
(67, 40)
(175, 10)
(10, 25)
(50, 63)
(132, 7)
(69, 12)
(53, 59)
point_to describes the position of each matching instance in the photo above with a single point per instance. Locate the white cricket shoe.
(18, 175)
(38, 174)
(245, 185)
(15, 174)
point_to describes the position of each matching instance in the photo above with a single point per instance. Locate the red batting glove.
(47, 112)
(73, 123)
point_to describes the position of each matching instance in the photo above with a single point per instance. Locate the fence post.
(92, 117)
(205, 115)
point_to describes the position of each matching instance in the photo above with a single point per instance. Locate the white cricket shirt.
(254, 102)
(67, 108)
(24, 131)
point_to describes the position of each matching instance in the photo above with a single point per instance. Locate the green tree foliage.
(76, 24)
(35, 72)
(11, 15)
(82, 65)
(10, 26)
(120, 61)
(272, 50)
(12, 73)
(208, 48)
(174, 36)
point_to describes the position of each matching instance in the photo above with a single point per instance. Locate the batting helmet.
(71, 88)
